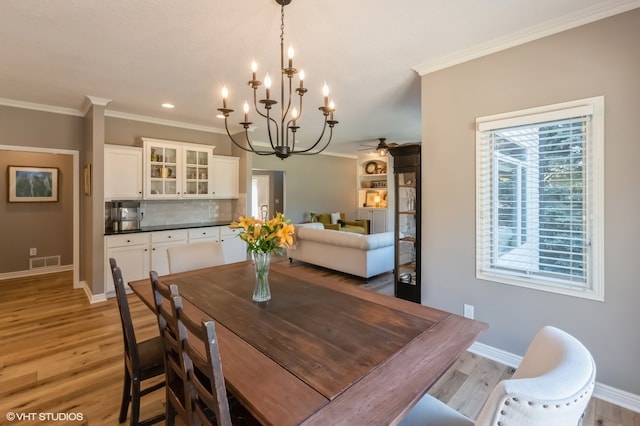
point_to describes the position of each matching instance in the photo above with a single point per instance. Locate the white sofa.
(355, 254)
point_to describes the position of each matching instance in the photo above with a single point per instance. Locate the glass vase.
(261, 291)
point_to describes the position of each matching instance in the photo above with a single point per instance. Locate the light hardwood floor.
(60, 354)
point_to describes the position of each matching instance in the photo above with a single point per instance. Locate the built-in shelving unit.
(373, 191)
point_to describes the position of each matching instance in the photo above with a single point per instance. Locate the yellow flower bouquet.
(263, 238)
(268, 236)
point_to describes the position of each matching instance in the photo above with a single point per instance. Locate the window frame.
(594, 181)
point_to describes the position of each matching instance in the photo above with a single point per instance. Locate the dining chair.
(208, 403)
(177, 391)
(187, 257)
(142, 360)
(552, 386)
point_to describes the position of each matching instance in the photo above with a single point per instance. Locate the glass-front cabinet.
(197, 170)
(176, 170)
(407, 210)
(163, 170)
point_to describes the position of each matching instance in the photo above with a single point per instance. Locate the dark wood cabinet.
(407, 211)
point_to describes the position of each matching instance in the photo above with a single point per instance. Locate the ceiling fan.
(382, 148)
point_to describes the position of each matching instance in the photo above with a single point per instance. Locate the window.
(539, 177)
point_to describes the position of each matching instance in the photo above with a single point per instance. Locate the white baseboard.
(601, 391)
(93, 298)
(33, 272)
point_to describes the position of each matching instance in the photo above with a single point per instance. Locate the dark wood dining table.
(322, 351)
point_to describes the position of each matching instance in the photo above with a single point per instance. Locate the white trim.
(604, 392)
(554, 26)
(93, 298)
(41, 107)
(90, 101)
(34, 272)
(163, 122)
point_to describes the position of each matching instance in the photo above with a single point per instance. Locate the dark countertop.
(169, 227)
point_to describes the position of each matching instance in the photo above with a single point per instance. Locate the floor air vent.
(44, 262)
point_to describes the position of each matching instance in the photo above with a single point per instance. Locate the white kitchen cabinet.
(211, 233)
(225, 177)
(131, 252)
(163, 169)
(122, 172)
(160, 242)
(377, 219)
(197, 171)
(233, 248)
(175, 170)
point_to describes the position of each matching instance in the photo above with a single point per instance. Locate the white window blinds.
(534, 201)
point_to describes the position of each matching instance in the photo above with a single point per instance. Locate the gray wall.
(601, 58)
(320, 183)
(45, 226)
(48, 227)
(120, 131)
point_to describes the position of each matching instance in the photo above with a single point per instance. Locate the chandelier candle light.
(283, 137)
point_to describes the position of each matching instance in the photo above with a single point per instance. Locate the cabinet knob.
(128, 241)
(169, 236)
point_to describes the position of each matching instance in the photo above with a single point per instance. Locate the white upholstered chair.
(187, 257)
(552, 386)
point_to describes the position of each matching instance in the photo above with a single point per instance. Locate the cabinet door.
(197, 172)
(160, 242)
(378, 221)
(225, 172)
(122, 172)
(133, 261)
(162, 170)
(233, 248)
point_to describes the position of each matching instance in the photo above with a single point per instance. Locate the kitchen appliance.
(125, 216)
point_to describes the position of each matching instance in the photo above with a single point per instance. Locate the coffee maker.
(125, 216)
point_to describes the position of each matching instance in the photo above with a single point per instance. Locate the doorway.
(267, 193)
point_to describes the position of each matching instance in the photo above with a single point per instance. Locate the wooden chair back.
(176, 379)
(142, 359)
(204, 371)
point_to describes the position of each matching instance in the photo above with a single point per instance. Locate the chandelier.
(282, 127)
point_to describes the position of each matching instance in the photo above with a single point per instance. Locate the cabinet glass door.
(196, 173)
(406, 166)
(163, 169)
(407, 236)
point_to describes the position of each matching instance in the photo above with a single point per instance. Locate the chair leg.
(170, 414)
(126, 396)
(135, 402)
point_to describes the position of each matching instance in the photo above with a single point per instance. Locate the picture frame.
(87, 179)
(371, 199)
(32, 184)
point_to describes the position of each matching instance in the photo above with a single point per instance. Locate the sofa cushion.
(335, 217)
(346, 239)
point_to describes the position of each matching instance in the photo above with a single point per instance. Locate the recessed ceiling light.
(168, 105)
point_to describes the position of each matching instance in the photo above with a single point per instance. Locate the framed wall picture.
(87, 179)
(32, 184)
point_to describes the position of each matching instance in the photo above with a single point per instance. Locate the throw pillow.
(335, 217)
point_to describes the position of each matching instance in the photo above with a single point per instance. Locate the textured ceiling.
(141, 53)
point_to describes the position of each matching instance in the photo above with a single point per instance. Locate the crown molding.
(92, 100)
(41, 107)
(554, 26)
(163, 122)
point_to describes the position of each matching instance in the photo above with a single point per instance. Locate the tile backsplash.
(188, 211)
